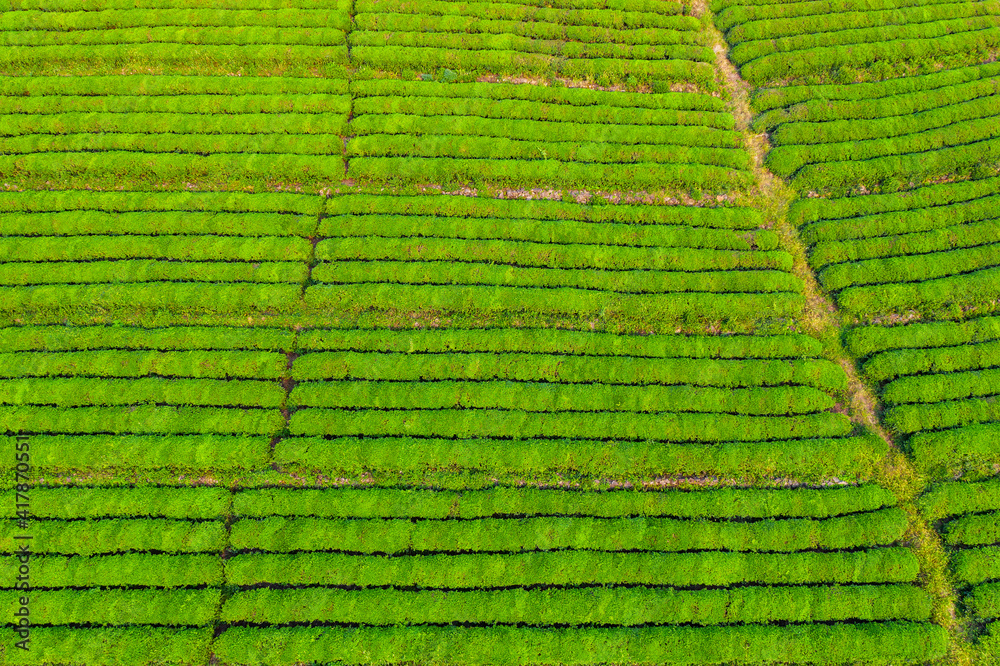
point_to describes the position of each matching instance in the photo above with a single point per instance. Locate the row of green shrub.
(771, 20)
(910, 268)
(551, 96)
(142, 419)
(602, 13)
(100, 223)
(131, 17)
(117, 535)
(900, 122)
(950, 452)
(167, 122)
(499, 148)
(949, 386)
(786, 38)
(518, 109)
(944, 161)
(984, 601)
(632, 176)
(197, 144)
(128, 101)
(816, 459)
(542, 29)
(891, 50)
(958, 291)
(489, 208)
(867, 340)
(204, 502)
(972, 354)
(542, 131)
(945, 414)
(787, 160)
(130, 452)
(832, 643)
(548, 256)
(144, 86)
(497, 501)
(57, 338)
(953, 498)
(916, 243)
(551, 340)
(628, 607)
(818, 373)
(79, 391)
(215, 56)
(163, 571)
(555, 232)
(578, 567)
(125, 271)
(196, 248)
(110, 646)
(977, 529)
(976, 565)
(80, 202)
(22, 42)
(146, 168)
(233, 297)
(465, 423)
(101, 607)
(521, 63)
(732, 13)
(500, 535)
(337, 6)
(535, 397)
(218, 364)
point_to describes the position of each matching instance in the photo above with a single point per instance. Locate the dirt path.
(822, 319)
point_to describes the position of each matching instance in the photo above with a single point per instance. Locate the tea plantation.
(344, 332)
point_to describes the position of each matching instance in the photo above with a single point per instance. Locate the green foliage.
(190, 144)
(935, 388)
(127, 271)
(160, 571)
(868, 340)
(714, 503)
(129, 646)
(945, 414)
(951, 452)
(546, 533)
(125, 15)
(78, 338)
(976, 529)
(832, 643)
(569, 568)
(100, 607)
(153, 502)
(117, 363)
(911, 268)
(116, 535)
(955, 498)
(976, 565)
(78, 391)
(627, 607)
(901, 362)
(984, 601)
(216, 126)
(132, 92)
(141, 420)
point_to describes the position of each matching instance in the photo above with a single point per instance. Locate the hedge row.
(110, 646)
(301, 144)
(865, 341)
(66, 21)
(553, 97)
(217, 55)
(709, 568)
(195, 248)
(984, 601)
(538, 110)
(935, 388)
(513, 172)
(955, 498)
(833, 643)
(911, 268)
(532, 397)
(150, 223)
(963, 290)
(542, 130)
(101, 607)
(483, 148)
(205, 502)
(551, 340)
(946, 414)
(74, 392)
(125, 451)
(160, 571)
(22, 43)
(846, 458)
(901, 362)
(400, 503)
(499, 535)
(553, 232)
(81, 202)
(946, 453)
(83, 5)
(118, 535)
(821, 374)
(170, 122)
(616, 14)
(143, 420)
(978, 529)
(936, 240)
(92, 273)
(247, 103)
(58, 338)
(976, 565)
(730, 13)
(144, 86)
(627, 607)
(199, 364)
(892, 89)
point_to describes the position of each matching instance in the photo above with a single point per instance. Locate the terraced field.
(519, 333)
